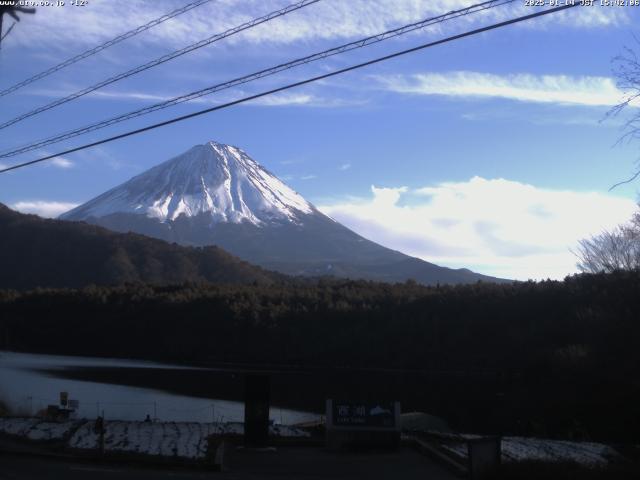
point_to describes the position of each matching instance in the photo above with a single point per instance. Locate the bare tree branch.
(618, 249)
(626, 69)
(628, 180)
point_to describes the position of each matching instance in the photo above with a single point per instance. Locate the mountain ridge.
(216, 194)
(38, 252)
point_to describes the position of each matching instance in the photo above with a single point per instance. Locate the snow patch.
(214, 179)
(36, 429)
(167, 439)
(518, 449)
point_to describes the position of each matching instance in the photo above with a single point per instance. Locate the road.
(301, 463)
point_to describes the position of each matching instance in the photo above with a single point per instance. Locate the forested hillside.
(562, 355)
(35, 252)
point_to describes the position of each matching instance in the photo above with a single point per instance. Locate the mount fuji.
(216, 194)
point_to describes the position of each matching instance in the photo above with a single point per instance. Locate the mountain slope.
(216, 194)
(35, 252)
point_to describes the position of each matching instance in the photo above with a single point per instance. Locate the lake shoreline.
(126, 390)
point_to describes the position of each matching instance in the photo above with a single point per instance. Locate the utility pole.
(12, 10)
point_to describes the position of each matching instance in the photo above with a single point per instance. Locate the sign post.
(363, 424)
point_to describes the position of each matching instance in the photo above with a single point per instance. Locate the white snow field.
(517, 449)
(188, 440)
(36, 429)
(167, 439)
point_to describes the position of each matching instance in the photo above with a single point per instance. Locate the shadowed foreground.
(299, 463)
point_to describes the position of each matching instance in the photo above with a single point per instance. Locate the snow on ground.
(586, 453)
(36, 429)
(517, 449)
(167, 439)
(288, 431)
(179, 439)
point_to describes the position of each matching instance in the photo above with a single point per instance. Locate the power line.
(165, 58)
(103, 46)
(12, 9)
(2, 37)
(296, 84)
(257, 75)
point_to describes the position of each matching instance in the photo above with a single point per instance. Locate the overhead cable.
(295, 84)
(158, 61)
(256, 75)
(102, 46)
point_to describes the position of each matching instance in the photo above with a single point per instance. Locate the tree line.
(561, 355)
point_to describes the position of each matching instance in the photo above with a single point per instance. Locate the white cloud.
(108, 95)
(58, 162)
(524, 87)
(498, 227)
(133, 95)
(344, 166)
(290, 161)
(61, 162)
(328, 19)
(290, 178)
(274, 100)
(43, 208)
(284, 99)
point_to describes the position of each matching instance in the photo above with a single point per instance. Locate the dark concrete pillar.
(256, 410)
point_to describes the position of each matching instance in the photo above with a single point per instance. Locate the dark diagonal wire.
(255, 76)
(102, 46)
(165, 58)
(296, 84)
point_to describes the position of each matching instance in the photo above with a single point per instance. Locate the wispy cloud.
(524, 87)
(124, 95)
(285, 99)
(290, 161)
(134, 95)
(290, 177)
(43, 208)
(329, 19)
(57, 162)
(275, 100)
(497, 226)
(105, 156)
(344, 166)
(61, 162)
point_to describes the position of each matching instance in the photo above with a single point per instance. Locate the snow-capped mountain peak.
(213, 179)
(216, 194)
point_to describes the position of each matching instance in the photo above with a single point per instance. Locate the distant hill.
(35, 252)
(216, 194)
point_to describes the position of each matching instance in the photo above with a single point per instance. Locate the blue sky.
(492, 152)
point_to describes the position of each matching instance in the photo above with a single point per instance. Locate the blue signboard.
(364, 414)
